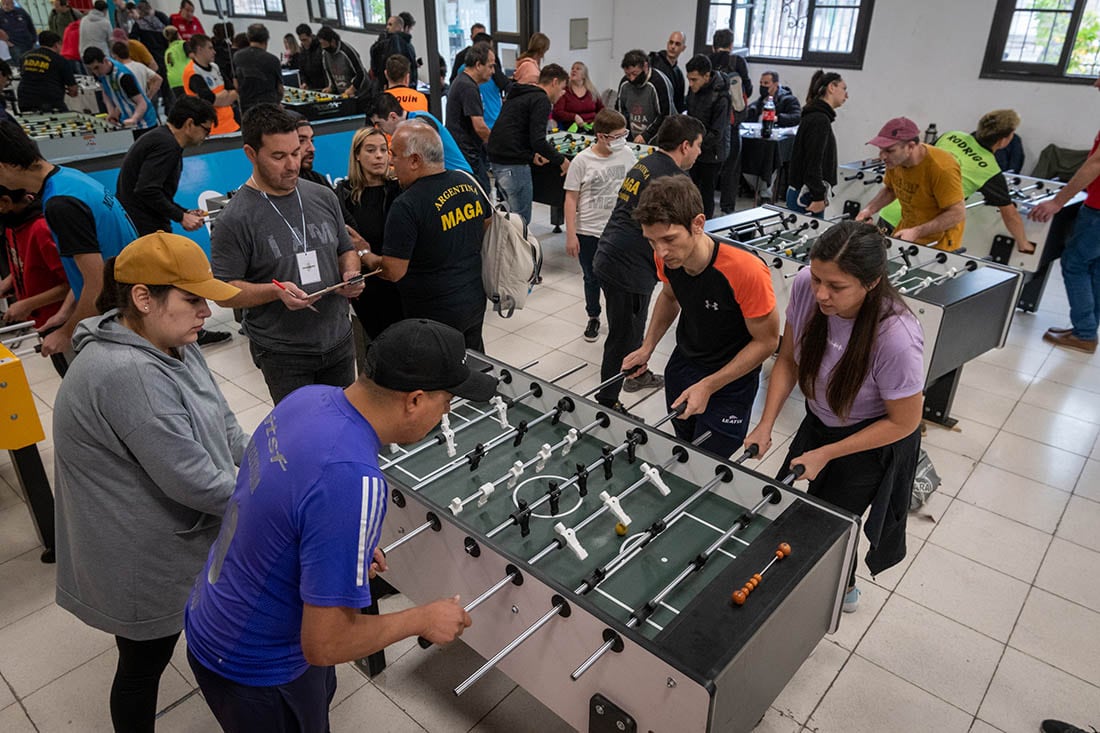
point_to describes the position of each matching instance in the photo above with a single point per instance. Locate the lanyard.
(302, 208)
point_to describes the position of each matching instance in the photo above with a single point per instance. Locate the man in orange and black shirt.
(728, 320)
(398, 70)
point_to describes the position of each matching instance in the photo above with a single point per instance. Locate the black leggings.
(134, 691)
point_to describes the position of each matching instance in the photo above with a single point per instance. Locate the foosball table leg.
(375, 664)
(36, 488)
(939, 396)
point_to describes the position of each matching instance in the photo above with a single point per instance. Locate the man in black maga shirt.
(432, 244)
(46, 77)
(624, 260)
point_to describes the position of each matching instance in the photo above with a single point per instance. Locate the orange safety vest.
(213, 79)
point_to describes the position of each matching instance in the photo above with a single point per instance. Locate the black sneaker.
(213, 337)
(649, 380)
(592, 330)
(620, 408)
(1057, 726)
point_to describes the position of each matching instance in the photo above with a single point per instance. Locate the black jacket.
(520, 131)
(400, 43)
(675, 74)
(711, 106)
(788, 109)
(311, 66)
(813, 160)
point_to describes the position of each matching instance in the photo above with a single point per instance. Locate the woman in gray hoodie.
(146, 459)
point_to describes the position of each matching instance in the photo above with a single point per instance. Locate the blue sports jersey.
(301, 527)
(113, 228)
(112, 87)
(453, 159)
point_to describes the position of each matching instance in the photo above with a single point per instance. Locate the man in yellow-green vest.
(980, 171)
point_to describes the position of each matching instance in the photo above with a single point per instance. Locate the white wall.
(923, 60)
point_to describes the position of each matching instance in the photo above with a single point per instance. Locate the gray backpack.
(511, 260)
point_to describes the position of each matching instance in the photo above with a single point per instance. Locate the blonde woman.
(581, 102)
(529, 64)
(366, 195)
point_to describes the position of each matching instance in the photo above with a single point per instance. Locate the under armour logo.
(710, 305)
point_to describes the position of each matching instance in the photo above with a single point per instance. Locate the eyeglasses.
(207, 130)
(620, 136)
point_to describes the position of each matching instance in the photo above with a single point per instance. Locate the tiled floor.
(991, 623)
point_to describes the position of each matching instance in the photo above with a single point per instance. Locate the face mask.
(617, 143)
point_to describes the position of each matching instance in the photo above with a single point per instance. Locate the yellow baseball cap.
(163, 258)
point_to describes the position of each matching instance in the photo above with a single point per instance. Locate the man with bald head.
(666, 61)
(432, 244)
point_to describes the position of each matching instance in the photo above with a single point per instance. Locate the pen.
(283, 287)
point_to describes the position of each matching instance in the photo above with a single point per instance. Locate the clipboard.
(352, 281)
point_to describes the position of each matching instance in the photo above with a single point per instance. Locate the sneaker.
(620, 408)
(851, 601)
(1057, 726)
(649, 380)
(592, 330)
(213, 337)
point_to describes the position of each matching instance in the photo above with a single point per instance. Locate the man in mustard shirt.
(925, 180)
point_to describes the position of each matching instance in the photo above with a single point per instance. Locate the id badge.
(309, 272)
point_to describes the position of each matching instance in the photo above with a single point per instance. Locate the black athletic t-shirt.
(995, 191)
(714, 304)
(45, 74)
(258, 76)
(437, 225)
(624, 258)
(464, 102)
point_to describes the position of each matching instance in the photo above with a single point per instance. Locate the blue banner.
(209, 175)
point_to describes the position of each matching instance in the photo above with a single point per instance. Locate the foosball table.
(964, 304)
(628, 580)
(985, 235)
(547, 181)
(62, 136)
(317, 105)
(857, 183)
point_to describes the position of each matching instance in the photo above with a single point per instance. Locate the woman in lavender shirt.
(856, 351)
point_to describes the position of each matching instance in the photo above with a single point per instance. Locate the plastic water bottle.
(767, 118)
(931, 134)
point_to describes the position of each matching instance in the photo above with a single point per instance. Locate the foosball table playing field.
(628, 580)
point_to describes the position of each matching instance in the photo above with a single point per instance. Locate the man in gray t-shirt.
(278, 240)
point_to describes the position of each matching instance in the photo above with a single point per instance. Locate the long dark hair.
(819, 84)
(117, 295)
(858, 250)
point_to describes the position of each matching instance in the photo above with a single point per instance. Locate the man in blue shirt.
(278, 602)
(19, 27)
(88, 224)
(388, 113)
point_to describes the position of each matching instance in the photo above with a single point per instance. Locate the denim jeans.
(285, 373)
(793, 205)
(1081, 273)
(515, 182)
(591, 282)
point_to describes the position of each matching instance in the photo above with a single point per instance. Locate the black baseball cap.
(417, 353)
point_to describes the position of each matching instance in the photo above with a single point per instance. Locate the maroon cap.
(897, 130)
